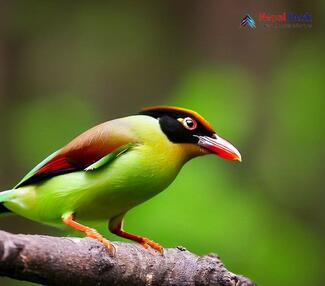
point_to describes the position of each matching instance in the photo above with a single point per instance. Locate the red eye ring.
(189, 123)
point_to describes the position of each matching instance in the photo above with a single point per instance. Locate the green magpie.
(111, 168)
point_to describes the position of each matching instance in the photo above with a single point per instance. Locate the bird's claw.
(92, 233)
(147, 242)
(110, 247)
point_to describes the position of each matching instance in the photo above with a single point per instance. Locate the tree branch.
(83, 261)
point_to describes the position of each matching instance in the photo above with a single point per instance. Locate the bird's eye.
(189, 123)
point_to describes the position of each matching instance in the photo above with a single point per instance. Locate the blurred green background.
(66, 66)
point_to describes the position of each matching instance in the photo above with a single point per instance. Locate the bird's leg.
(69, 220)
(116, 227)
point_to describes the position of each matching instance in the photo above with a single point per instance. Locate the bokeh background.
(66, 66)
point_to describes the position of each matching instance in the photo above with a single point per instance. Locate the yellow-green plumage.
(142, 171)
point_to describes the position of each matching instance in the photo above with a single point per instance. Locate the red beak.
(220, 147)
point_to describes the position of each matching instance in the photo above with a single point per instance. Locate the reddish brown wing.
(81, 152)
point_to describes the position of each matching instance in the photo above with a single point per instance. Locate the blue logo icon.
(248, 21)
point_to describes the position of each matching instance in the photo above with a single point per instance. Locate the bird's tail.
(4, 197)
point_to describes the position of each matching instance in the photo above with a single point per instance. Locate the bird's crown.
(177, 112)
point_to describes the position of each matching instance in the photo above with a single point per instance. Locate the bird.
(109, 169)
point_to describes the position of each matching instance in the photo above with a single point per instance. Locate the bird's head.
(184, 126)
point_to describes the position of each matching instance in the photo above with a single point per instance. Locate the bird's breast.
(131, 179)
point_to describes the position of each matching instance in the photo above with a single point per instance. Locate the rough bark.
(83, 261)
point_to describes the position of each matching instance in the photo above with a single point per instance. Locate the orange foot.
(69, 220)
(115, 226)
(145, 242)
(92, 233)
